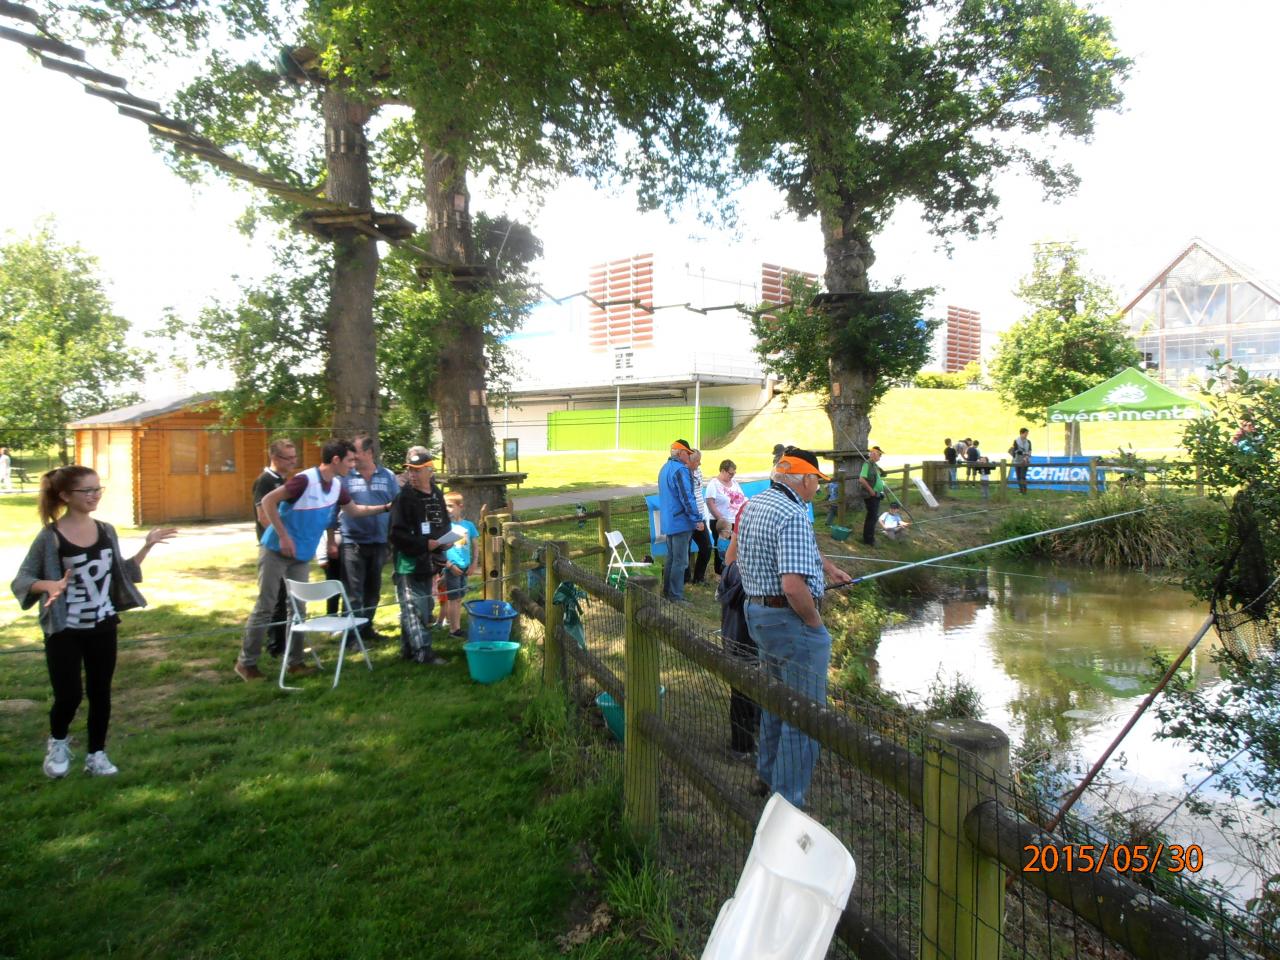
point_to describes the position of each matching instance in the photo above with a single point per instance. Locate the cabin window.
(222, 453)
(184, 448)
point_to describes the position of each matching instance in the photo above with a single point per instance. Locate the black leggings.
(64, 652)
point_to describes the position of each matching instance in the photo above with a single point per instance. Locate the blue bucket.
(490, 660)
(489, 619)
(615, 716)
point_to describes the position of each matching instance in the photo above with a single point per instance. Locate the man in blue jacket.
(680, 515)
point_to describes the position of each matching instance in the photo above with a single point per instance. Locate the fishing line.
(989, 546)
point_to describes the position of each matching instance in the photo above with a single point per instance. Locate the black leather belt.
(776, 600)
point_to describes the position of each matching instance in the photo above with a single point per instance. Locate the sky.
(1191, 155)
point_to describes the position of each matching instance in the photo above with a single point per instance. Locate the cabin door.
(202, 479)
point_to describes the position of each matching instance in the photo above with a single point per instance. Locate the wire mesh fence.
(953, 858)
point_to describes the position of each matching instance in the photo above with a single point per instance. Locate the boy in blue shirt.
(458, 562)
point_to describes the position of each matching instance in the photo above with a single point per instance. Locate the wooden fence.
(975, 836)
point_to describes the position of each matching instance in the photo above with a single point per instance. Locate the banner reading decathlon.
(1130, 396)
(1058, 473)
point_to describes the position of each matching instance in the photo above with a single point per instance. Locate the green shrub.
(952, 699)
(1168, 533)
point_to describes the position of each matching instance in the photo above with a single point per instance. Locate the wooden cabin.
(170, 461)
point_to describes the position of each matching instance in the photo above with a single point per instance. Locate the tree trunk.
(461, 400)
(849, 256)
(351, 367)
(1071, 440)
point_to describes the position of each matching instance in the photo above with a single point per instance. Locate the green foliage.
(1170, 533)
(1234, 452)
(880, 333)
(849, 109)
(274, 339)
(62, 349)
(936, 380)
(1072, 339)
(607, 91)
(952, 699)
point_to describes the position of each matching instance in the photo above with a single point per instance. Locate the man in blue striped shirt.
(783, 575)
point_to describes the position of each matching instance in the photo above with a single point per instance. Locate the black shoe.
(276, 649)
(458, 633)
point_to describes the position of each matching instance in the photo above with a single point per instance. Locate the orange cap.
(798, 467)
(681, 445)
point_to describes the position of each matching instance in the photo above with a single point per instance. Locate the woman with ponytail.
(76, 571)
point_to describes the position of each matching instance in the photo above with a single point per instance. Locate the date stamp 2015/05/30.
(1121, 857)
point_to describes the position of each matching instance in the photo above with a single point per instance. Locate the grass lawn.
(410, 812)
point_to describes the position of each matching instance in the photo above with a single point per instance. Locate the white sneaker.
(57, 759)
(97, 765)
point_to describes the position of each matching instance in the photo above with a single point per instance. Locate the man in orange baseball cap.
(784, 576)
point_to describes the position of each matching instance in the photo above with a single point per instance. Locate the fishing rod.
(941, 566)
(989, 546)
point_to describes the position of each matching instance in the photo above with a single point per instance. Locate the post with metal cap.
(602, 530)
(640, 754)
(510, 562)
(493, 555)
(962, 906)
(552, 651)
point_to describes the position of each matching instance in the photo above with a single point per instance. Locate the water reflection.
(1063, 657)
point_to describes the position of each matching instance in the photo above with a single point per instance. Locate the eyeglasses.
(89, 491)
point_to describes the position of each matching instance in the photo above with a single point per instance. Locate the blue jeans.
(951, 478)
(798, 656)
(677, 564)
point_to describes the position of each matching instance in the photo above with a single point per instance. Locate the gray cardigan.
(43, 563)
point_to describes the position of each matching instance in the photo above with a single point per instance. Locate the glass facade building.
(1202, 302)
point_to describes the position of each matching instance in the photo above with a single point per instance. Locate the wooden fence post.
(1093, 476)
(510, 562)
(1002, 492)
(602, 528)
(962, 907)
(906, 483)
(841, 507)
(552, 651)
(640, 754)
(1199, 480)
(493, 555)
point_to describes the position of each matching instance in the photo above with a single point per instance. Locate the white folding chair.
(790, 895)
(620, 561)
(300, 594)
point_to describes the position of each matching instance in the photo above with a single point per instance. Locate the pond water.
(1061, 655)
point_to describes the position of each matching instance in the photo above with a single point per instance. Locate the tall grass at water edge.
(1170, 533)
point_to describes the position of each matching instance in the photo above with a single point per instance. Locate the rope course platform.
(322, 218)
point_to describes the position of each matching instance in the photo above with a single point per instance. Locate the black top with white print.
(89, 589)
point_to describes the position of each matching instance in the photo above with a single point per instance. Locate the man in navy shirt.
(364, 539)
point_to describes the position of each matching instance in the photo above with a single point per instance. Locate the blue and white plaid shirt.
(775, 536)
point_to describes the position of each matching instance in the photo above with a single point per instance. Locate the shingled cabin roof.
(139, 413)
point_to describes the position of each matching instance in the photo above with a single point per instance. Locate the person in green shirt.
(871, 486)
